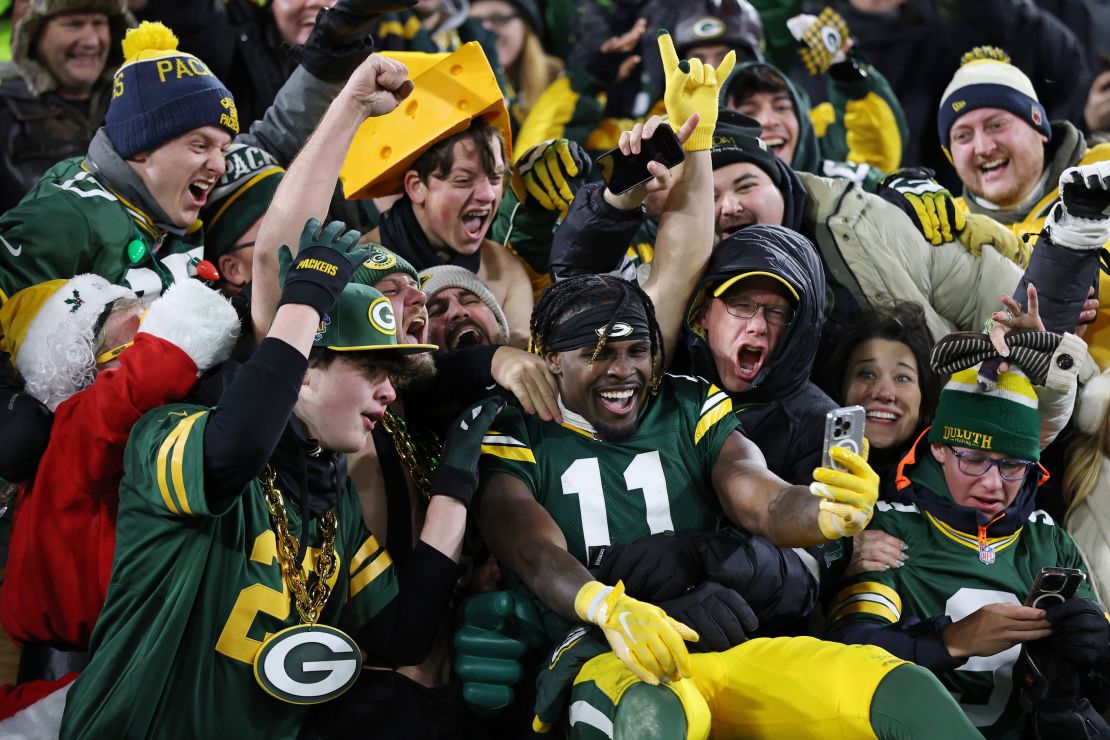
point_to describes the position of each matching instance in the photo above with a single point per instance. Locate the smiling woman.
(882, 364)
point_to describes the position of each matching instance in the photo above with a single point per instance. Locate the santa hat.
(50, 329)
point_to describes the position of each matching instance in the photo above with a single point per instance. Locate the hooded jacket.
(957, 561)
(782, 412)
(39, 128)
(857, 134)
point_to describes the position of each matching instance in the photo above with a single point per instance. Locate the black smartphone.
(1054, 586)
(623, 172)
(844, 427)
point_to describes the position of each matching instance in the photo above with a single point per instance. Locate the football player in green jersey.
(637, 453)
(975, 545)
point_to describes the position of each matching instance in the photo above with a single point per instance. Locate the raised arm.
(685, 238)
(376, 88)
(838, 504)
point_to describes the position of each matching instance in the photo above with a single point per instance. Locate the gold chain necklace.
(420, 458)
(311, 598)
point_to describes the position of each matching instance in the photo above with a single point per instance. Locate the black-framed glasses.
(976, 464)
(743, 308)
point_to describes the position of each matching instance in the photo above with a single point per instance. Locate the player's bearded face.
(609, 394)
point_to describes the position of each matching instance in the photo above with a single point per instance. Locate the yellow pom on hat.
(151, 40)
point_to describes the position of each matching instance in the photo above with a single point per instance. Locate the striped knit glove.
(693, 87)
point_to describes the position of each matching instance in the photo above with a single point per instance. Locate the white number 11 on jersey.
(645, 472)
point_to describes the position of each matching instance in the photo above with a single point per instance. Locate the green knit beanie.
(1004, 419)
(379, 263)
(240, 198)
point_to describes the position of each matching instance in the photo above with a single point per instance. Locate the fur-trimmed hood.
(26, 34)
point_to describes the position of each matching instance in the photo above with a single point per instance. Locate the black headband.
(583, 329)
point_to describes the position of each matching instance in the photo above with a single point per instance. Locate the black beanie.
(736, 139)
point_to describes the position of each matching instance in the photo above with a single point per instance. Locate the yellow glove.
(646, 640)
(693, 87)
(926, 201)
(847, 497)
(983, 229)
(551, 172)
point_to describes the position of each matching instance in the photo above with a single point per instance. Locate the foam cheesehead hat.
(437, 278)
(362, 320)
(451, 91)
(161, 93)
(239, 199)
(736, 139)
(986, 79)
(50, 330)
(1004, 419)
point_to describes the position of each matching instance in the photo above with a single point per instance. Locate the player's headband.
(583, 329)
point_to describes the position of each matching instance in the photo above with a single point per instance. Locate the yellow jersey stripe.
(580, 430)
(863, 606)
(714, 415)
(523, 454)
(376, 567)
(369, 547)
(176, 471)
(163, 456)
(871, 592)
(969, 541)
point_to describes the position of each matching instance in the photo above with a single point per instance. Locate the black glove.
(24, 431)
(340, 40)
(654, 568)
(719, 615)
(1076, 720)
(1080, 633)
(324, 265)
(1085, 191)
(457, 474)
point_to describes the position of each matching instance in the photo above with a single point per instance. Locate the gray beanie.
(435, 279)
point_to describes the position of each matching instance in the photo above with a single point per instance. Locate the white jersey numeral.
(645, 472)
(961, 604)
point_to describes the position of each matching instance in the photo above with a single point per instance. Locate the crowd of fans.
(342, 394)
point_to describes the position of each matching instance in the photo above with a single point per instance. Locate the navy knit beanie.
(986, 79)
(161, 93)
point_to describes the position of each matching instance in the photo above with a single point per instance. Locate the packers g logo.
(707, 28)
(830, 37)
(307, 664)
(381, 316)
(616, 331)
(380, 260)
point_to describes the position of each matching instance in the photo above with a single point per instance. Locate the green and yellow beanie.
(381, 262)
(1004, 419)
(161, 93)
(240, 198)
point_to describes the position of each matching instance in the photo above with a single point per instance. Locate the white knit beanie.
(435, 279)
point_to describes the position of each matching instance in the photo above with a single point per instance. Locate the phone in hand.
(1054, 586)
(843, 428)
(622, 172)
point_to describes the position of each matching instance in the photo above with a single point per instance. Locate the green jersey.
(71, 223)
(196, 587)
(602, 493)
(944, 574)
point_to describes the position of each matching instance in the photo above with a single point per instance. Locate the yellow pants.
(783, 687)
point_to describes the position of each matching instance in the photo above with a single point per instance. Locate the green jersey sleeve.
(164, 461)
(372, 578)
(711, 418)
(506, 448)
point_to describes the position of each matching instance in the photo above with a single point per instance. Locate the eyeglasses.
(496, 21)
(976, 464)
(742, 308)
(105, 357)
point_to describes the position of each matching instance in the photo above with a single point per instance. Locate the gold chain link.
(419, 458)
(310, 599)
